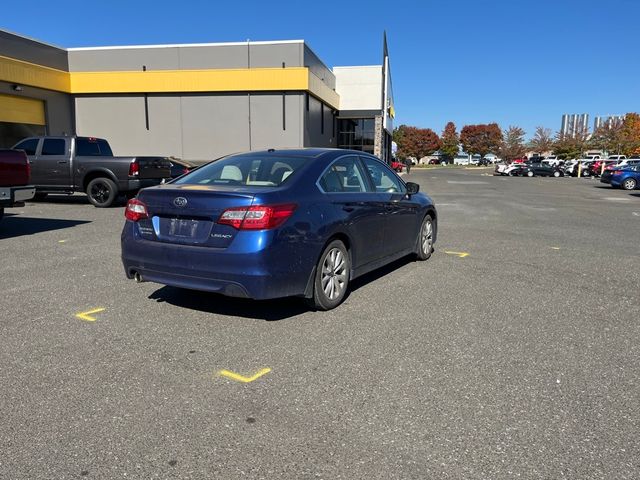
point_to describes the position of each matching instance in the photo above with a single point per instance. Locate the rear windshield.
(248, 169)
(92, 147)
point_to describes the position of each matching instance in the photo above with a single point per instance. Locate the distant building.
(609, 121)
(572, 124)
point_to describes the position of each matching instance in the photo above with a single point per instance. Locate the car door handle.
(61, 162)
(348, 208)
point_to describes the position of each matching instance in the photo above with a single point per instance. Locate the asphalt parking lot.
(514, 355)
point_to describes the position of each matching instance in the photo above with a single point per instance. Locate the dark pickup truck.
(86, 164)
(14, 180)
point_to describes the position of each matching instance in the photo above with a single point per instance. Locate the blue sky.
(517, 62)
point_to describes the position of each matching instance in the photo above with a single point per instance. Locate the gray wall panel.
(121, 120)
(265, 56)
(58, 107)
(125, 59)
(214, 125)
(266, 121)
(318, 68)
(22, 48)
(313, 136)
(201, 57)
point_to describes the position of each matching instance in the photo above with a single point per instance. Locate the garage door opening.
(19, 118)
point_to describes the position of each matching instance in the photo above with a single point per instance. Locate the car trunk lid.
(188, 214)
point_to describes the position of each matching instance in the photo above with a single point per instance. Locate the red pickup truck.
(15, 175)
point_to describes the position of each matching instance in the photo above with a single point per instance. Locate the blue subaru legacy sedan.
(277, 223)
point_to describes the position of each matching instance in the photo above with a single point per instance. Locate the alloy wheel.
(426, 237)
(334, 274)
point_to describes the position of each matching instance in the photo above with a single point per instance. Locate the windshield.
(259, 170)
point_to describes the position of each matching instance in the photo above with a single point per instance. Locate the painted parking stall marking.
(457, 254)
(86, 316)
(241, 378)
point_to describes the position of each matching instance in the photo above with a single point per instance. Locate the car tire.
(529, 174)
(556, 174)
(331, 279)
(102, 192)
(629, 184)
(425, 238)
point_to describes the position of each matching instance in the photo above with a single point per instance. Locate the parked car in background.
(179, 167)
(86, 164)
(461, 159)
(541, 169)
(500, 168)
(397, 165)
(277, 223)
(597, 167)
(617, 158)
(519, 160)
(553, 160)
(627, 178)
(573, 167)
(15, 175)
(514, 169)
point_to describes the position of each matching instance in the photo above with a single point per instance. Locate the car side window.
(53, 146)
(384, 180)
(343, 176)
(29, 146)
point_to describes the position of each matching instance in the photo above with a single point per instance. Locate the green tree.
(450, 142)
(542, 140)
(513, 145)
(481, 139)
(571, 145)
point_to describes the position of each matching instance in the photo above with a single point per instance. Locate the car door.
(51, 166)
(400, 219)
(346, 187)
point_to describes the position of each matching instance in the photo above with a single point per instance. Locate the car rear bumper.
(10, 196)
(268, 273)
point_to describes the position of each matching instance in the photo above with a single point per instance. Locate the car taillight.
(136, 210)
(617, 172)
(257, 217)
(134, 168)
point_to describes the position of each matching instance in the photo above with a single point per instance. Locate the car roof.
(308, 152)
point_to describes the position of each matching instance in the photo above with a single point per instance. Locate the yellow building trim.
(25, 73)
(168, 81)
(218, 80)
(21, 110)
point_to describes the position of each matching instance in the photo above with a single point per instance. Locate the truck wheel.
(102, 192)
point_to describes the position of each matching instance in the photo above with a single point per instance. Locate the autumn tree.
(608, 137)
(631, 134)
(513, 145)
(450, 142)
(481, 139)
(542, 140)
(571, 145)
(418, 142)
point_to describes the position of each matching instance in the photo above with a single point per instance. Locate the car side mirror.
(412, 188)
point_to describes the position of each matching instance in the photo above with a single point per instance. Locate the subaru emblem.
(180, 202)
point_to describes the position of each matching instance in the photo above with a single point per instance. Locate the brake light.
(134, 168)
(136, 210)
(257, 217)
(617, 172)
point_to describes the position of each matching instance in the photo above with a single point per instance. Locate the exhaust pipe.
(137, 277)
